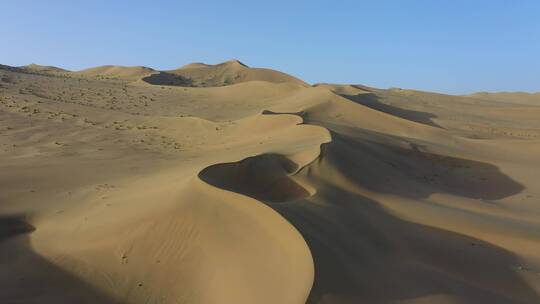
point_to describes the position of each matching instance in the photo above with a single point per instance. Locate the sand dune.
(190, 75)
(226, 73)
(510, 97)
(229, 184)
(117, 72)
(43, 69)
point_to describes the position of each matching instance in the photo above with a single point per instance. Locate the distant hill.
(42, 68)
(511, 97)
(226, 73)
(35, 69)
(190, 75)
(117, 72)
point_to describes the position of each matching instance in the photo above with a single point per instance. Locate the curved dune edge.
(266, 179)
(231, 248)
(235, 176)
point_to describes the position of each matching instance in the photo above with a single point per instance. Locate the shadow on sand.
(164, 78)
(363, 253)
(371, 100)
(264, 177)
(411, 171)
(25, 277)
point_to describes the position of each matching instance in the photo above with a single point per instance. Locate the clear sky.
(452, 46)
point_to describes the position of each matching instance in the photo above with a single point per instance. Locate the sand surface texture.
(230, 184)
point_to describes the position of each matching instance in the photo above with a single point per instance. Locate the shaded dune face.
(30, 278)
(364, 254)
(413, 172)
(373, 101)
(263, 177)
(164, 78)
(11, 226)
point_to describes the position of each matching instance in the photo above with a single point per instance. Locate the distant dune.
(117, 72)
(42, 69)
(230, 184)
(190, 75)
(513, 97)
(226, 73)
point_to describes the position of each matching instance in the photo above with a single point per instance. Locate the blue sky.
(445, 46)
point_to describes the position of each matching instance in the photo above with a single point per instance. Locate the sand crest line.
(291, 172)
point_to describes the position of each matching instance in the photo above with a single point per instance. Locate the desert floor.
(229, 184)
